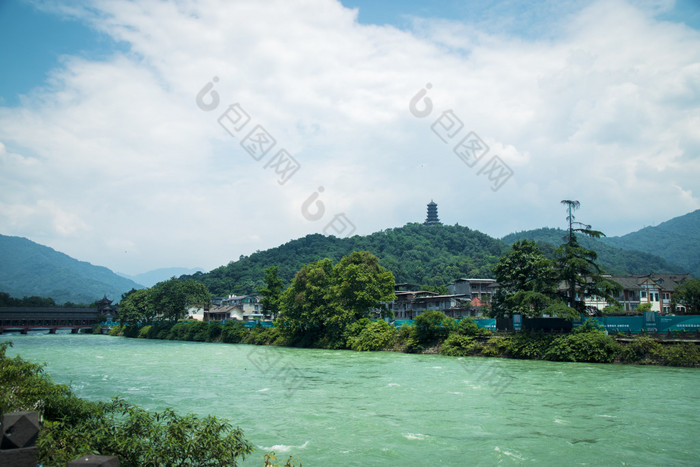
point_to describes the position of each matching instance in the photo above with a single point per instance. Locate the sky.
(139, 135)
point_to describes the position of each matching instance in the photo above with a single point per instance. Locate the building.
(483, 289)
(408, 305)
(249, 306)
(432, 217)
(655, 289)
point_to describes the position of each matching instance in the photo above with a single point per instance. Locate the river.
(381, 408)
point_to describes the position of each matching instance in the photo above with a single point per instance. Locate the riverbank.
(445, 336)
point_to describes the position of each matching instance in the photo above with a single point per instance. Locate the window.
(667, 296)
(643, 294)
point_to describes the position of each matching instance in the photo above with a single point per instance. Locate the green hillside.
(611, 259)
(676, 240)
(30, 269)
(425, 255)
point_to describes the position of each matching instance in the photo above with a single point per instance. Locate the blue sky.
(105, 153)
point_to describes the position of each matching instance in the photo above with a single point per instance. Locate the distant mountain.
(29, 269)
(415, 253)
(151, 278)
(611, 259)
(676, 240)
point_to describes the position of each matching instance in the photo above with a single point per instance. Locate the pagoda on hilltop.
(432, 218)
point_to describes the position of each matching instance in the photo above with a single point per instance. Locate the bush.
(197, 331)
(179, 331)
(433, 326)
(458, 345)
(468, 327)
(407, 340)
(643, 349)
(233, 332)
(131, 330)
(213, 331)
(594, 347)
(378, 335)
(116, 330)
(686, 354)
(526, 345)
(143, 333)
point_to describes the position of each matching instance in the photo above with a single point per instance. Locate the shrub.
(233, 332)
(468, 327)
(643, 349)
(179, 331)
(526, 345)
(433, 326)
(458, 345)
(116, 330)
(594, 347)
(213, 331)
(131, 330)
(143, 333)
(686, 354)
(407, 340)
(378, 335)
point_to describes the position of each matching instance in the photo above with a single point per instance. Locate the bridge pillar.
(24, 330)
(74, 331)
(52, 330)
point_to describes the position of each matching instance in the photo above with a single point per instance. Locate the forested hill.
(611, 259)
(676, 240)
(30, 269)
(415, 253)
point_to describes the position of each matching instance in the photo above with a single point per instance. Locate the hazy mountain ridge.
(676, 240)
(151, 278)
(28, 268)
(611, 259)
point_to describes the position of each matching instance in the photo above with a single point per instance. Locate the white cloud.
(114, 163)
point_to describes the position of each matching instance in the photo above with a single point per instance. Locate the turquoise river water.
(350, 408)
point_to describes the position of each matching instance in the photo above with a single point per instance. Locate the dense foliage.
(7, 300)
(688, 295)
(30, 269)
(425, 255)
(323, 299)
(167, 300)
(616, 258)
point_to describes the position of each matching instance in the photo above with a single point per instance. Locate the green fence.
(649, 322)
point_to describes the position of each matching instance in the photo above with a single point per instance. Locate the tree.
(527, 280)
(323, 299)
(136, 306)
(361, 284)
(171, 298)
(305, 305)
(577, 265)
(272, 291)
(687, 294)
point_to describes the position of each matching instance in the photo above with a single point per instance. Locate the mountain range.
(30, 269)
(151, 278)
(415, 253)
